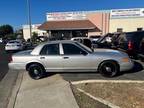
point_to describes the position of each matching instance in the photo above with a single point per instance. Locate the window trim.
(74, 45)
(47, 54)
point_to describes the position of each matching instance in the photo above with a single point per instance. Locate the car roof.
(57, 41)
(61, 41)
(36, 49)
(79, 38)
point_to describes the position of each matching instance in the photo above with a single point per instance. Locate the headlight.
(125, 59)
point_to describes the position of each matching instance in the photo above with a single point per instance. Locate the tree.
(34, 37)
(11, 36)
(6, 30)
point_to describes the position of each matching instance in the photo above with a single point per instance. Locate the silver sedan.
(70, 56)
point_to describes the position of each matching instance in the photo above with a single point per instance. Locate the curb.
(107, 81)
(15, 91)
(102, 101)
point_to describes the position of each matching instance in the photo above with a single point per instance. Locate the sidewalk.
(50, 92)
(6, 87)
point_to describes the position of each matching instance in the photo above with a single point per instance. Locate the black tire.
(109, 68)
(36, 71)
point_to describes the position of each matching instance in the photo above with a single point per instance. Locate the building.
(126, 20)
(26, 31)
(61, 25)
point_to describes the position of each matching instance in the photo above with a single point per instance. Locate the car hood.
(109, 52)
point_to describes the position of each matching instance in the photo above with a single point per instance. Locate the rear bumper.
(17, 66)
(13, 48)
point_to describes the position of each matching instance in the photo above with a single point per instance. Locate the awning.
(68, 25)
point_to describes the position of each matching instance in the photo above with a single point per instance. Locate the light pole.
(29, 19)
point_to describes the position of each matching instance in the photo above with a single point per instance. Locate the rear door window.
(51, 49)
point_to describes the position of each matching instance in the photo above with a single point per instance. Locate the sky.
(15, 12)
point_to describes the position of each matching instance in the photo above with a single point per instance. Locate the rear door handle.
(65, 57)
(42, 57)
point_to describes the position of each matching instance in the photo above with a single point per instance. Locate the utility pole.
(29, 18)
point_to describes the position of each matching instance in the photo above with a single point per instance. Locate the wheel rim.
(36, 72)
(109, 69)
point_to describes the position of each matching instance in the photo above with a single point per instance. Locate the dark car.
(129, 42)
(94, 37)
(104, 41)
(84, 40)
(141, 50)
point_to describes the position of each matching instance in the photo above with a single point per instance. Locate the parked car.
(1, 40)
(141, 50)
(14, 45)
(94, 37)
(129, 42)
(104, 41)
(84, 40)
(70, 56)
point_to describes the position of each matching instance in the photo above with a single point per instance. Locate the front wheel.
(36, 71)
(109, 68)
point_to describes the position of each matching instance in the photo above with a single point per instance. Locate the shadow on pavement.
(48, 74)
(138, 67)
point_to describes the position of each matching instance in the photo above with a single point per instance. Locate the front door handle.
(42, 57)
(65, 57)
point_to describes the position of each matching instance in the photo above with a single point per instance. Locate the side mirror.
(92, 49)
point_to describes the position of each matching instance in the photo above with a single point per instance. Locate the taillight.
(19, 45)
(130, 45)
(10, 59)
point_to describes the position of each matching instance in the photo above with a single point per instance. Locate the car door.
(76, 59)
(50, 57)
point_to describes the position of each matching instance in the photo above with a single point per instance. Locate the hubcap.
(36, 71)
(108, 69)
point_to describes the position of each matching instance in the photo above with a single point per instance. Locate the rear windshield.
(126, 37)
(13, 42)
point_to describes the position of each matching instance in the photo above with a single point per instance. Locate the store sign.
(124, 13)
(56, 16)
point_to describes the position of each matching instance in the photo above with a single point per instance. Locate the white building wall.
(127, 24)
(26, 31)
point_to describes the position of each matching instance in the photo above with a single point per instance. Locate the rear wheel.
(109, 68)
(36, 71)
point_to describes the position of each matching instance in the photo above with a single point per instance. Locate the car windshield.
(84, 47)
(100, 39)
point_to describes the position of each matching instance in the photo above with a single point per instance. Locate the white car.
(70, 56)
(14, 45)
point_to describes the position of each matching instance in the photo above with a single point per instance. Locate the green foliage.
(11, 36)
(34, 37)
(6, 30)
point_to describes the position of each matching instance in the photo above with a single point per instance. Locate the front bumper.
(126, 66)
